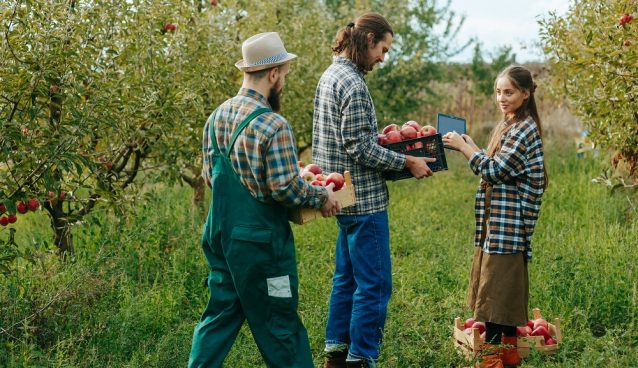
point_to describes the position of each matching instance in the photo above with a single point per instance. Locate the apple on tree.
(12, 218)
(4, 221)
(33, 204)
(21, 207)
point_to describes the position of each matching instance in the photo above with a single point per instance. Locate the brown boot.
(490, 357)
(511, 358)
(335, 359)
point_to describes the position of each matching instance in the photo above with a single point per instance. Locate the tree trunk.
(63, 238)
(199, 192)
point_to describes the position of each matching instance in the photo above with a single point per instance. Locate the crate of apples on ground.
(340, 184)
(539, 334)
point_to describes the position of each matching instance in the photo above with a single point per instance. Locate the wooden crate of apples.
(539, 334)
(340, 184)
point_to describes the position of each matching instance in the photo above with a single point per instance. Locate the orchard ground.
(134, 291)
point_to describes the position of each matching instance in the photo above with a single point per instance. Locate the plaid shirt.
(264, 154)
(345, 136)
(516, 176)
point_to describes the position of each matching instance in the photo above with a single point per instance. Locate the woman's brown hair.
(353, 38)
(521, 79)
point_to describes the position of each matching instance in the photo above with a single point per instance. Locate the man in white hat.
(250, 163)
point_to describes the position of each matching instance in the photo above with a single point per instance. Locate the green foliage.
(134, 292)
(594, 62)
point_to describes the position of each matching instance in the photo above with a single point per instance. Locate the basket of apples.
(340, 184)
(413, 139)
(539, 334)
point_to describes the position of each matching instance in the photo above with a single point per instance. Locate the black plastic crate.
(430, 146)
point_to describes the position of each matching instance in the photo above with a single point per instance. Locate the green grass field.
(134, 291)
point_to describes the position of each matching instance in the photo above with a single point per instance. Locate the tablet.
(449, 123)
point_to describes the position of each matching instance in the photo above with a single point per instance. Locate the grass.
(134, 291)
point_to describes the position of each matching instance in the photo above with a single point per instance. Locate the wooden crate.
(469, 345)
(345, 196)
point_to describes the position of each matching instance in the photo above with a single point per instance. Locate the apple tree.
(88, 99)
(593, 53)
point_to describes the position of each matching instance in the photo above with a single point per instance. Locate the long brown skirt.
(499, 288)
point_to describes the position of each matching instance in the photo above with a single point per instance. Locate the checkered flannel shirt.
(516, 176)
(264, 154)
(345, 136)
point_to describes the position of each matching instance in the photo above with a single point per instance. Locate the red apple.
(427, 130)
(469, 322)
(4, 221)
(313, 168)
(522, 331)
(393, 136)
(33, 204)
(62, 195)
(21, 207)
(317, 183)
(408, 132)
(418, 145)
(320, 177)
(626, 18)
(530, 324)
(541, 331)
(482, 336)
(12, 218)
(307, 175)
(550, 341)
(390, 128)
(381, 138)
(468, 331)
(170, 27)
(480, 326)
(413, 124)
(627, 43)
(335, 178)
(540, 322)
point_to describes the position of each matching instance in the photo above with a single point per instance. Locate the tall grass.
(134, 291)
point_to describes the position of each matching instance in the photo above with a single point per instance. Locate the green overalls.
(250, 249)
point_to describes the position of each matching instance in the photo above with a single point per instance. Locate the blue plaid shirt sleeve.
(207, 151)
(507, 164)
(356, 133)
(282, 178)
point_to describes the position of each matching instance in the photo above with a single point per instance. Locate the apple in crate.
(390, 128)
(523, 330)
(412, 124)
(540, 322)
(427, 130)
(381, 138)
(480, 326)
(337, 179)
(313, 168)
(469, 322)
(393, 136)
(408, 132)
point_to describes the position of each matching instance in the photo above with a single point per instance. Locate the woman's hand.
(454, 140)
(463, 143)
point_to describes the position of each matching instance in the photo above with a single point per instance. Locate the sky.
(498, 23)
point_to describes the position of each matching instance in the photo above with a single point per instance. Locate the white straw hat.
(263, 51)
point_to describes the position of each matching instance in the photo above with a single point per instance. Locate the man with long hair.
(345, 138)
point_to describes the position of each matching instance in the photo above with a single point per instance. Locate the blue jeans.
(361, 285)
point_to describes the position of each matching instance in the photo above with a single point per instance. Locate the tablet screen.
(449, 123)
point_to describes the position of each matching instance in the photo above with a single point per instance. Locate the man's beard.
(274, 98)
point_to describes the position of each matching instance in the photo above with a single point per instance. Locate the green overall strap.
(242, 125)
(211, 132)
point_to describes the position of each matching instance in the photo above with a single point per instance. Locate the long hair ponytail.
(353, 38)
